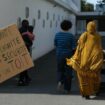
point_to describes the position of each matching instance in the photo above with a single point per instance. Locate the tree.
(101, 4)
(83, 3)
(89, 7)
(85, 6)
(101, 1)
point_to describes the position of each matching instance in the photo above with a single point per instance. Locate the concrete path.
(42, 90)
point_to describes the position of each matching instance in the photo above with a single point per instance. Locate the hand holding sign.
(14, 56)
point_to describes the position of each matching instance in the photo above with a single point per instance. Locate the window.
(39, 14)
(47, 16)
(43, 24)
(33, 23)
(53, 17)
(19, 22)
(27, 12)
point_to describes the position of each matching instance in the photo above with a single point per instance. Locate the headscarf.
(91, 27)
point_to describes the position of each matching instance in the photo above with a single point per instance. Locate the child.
(28, 38)
(65, 45)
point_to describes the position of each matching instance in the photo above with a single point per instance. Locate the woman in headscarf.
(87, 61)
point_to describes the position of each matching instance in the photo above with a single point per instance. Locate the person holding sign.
(24, 78)
(14, 56)
(28, 38)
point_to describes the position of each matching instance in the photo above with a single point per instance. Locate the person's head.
(66, 25)
(91, 27)
(25, 23)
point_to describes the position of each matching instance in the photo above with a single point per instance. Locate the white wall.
(72, 17)
(10, 10)
(78, 4)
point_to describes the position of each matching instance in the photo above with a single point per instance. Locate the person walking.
(24, 78)
(87, 61)
(65, 45)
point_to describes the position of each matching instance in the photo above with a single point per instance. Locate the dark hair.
(25, 23)
(30, 28)
(66, 25)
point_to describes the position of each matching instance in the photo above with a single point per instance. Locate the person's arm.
(73, 43)
(27, 41)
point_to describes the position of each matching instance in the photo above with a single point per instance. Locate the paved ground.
(42, 90)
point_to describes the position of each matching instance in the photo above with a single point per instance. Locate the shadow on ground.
(43, 80)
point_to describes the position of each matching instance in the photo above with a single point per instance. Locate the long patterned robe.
(87, 62)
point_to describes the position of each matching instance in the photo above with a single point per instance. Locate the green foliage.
(85, 6)
(103, 1)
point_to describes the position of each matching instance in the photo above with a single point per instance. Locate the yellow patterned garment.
(87, 60)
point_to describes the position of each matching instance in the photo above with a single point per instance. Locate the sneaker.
(21, 83)
(87, 97)
(83, 96)
(60, 87)
(67, 92)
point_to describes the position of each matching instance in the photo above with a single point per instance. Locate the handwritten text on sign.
(14, 56)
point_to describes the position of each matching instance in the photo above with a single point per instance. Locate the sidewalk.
(42, 89)
(43, 76)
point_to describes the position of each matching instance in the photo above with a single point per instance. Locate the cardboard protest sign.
(14, 56)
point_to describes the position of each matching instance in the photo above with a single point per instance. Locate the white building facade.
(45, 15)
